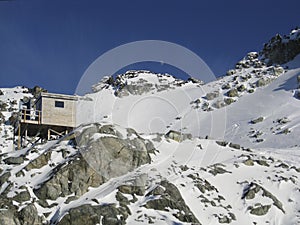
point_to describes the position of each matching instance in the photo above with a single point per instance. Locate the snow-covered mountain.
(150, 148)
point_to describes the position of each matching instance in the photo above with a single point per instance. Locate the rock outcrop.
(105, 154)
(170, 198)
(280, 50)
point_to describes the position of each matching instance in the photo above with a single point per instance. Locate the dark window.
(59, 104)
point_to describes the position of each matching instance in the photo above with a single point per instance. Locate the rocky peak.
(282, 49)
(138, 82)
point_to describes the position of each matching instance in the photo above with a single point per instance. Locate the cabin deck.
(30, 116)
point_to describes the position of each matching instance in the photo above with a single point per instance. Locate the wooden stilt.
(21, 140)
(49, 134)
(25, 140)
(19, 137)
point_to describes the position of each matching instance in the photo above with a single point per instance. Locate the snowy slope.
(190, 109)
(273, 103)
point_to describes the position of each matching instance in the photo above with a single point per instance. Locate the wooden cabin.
(49, 114)
(57, 109)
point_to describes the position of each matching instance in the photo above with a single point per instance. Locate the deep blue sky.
(51, 43)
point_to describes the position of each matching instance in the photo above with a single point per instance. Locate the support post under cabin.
(19, 136)
(25, 140)
(49, 134)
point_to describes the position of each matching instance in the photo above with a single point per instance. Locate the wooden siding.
(58, 116)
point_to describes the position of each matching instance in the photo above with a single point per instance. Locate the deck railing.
(31, 116)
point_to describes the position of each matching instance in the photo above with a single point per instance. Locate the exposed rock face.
(105, 154)
(233, 93)
(253, 189)
(39, 162)
(212, 95)
(222, 143)
(233, 145)
(134, 89)
(36, 91)
(260, 210)
(230, 72)
(257, 120)
(202, 184)
(217, 169)
(4, 178)
(29, 216)
(196, 81)
(14, 160)
(219, 104)
(178, 136)
(241, 88)
(228, 101)
(226, 86)
(9, 214)
(7, 218)
(249, 162)
(131, 83)
(107, 151)
(76, 177)
(2, 118)
(22, 196)
(251, 60)
(280, 50)
(298, 94)
(91, 215)
(171, 198)
(13, 119)
(113, 153)
(262, 82)
(226, 219)
(136, 186)
(3, 106)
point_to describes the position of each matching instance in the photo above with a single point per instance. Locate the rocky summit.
(153, 149)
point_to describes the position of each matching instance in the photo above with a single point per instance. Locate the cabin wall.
(54, 114)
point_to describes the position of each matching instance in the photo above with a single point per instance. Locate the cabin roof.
(58, 96)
